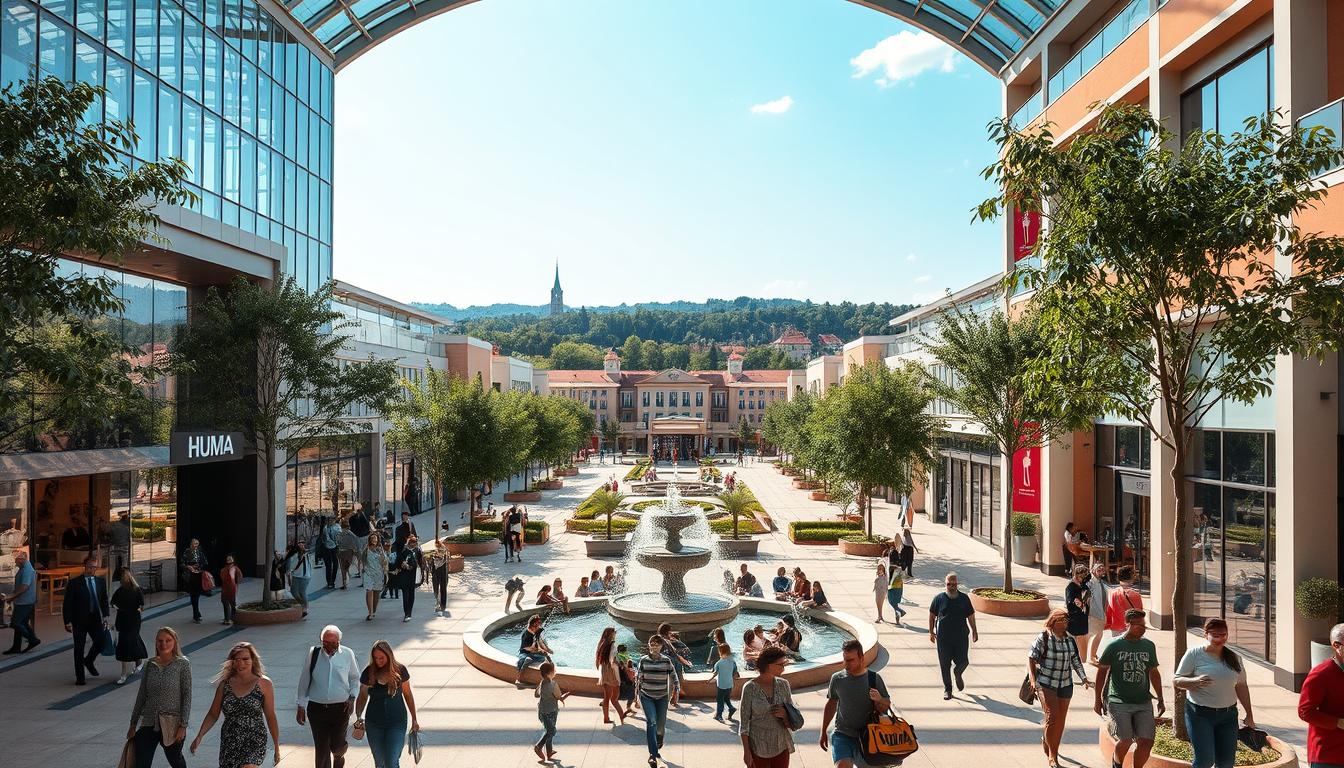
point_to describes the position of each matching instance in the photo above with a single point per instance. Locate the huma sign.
(203, 447)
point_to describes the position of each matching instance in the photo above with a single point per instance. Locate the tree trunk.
(1008, 529)
(866, 507)
(438, 508)
(268, 455)
(1180, 584)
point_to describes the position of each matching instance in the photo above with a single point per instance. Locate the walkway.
(470, 719)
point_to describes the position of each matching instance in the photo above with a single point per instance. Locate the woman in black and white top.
(1051, 666)
(766, 736)
(164, 700)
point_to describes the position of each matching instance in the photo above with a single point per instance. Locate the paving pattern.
(469, 719)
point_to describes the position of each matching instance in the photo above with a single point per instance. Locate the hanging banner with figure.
(1027, 481)
(1026, 231)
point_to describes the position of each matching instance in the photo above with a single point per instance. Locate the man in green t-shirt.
(1126, 671)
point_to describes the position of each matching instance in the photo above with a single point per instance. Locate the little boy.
(513, 593)
(725, 669)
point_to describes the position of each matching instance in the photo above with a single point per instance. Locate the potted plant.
(605, 503)
(1320, 599)
(1024, 538)
(738, 503)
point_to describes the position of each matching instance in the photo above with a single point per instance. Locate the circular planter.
(862, 548)
(571, 472)
(550, 485)
(474, 549)
(1106, 745)
(805, 485)
(530, 497)
(456, 563)
(1018, 609)
(598, 545)
(747, 546)
(252, 618)
(819, 496)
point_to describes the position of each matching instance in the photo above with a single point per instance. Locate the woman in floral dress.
(246, 698)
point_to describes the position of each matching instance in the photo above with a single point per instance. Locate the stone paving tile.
(472, 720)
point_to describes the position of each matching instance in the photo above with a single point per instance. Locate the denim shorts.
(845, 747)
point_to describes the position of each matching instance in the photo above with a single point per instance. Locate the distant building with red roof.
(794, 344)
(830, 343)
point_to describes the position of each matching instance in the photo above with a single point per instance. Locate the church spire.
(557, 293)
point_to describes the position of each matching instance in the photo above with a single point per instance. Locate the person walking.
(725, 671)
(678, 653)
(347, 548)
(1100, 593)
(360, 527)
(853, 694)
(1321, 706)
(374, 576)
(385, 700)
(1214, 679)
(609, 675)
(299, 564)
(656, 681)
(896, 593)
(129, 601)
(1125, 697)
(325, 698)
(162, 706)
(331, 533)
(513, 594)
(952, 629)
(767, 736)
(405, 568)
(86, 611)
(506, 533)
(1123, 599)
(1053, 662)
(531, 647)
(245, 697)
(404, 531)
(1078, 603)
(229, 577)
(908, 550)
(436, 562)
(194, 564)
(548, 696)
(880, 582)
(23, 598)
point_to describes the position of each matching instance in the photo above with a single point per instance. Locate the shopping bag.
(414, 746)
(127, 755)
(888, 739)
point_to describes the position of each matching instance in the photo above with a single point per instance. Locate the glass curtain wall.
(218, 83)
(326, 479)
(967, 488)
(1123, 499)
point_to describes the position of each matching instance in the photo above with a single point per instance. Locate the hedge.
(823, 530)
(142, 529)
(861, 538)
(469, 538)
(618, 525)
(636, 472)
(724, 526)
(640, 506)
(532, 530)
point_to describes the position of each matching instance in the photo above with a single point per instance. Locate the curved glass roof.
(990, 32)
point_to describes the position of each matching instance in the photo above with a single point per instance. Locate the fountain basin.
(694, 616)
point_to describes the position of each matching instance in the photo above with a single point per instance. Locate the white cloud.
(911, 257)
(903, 56)
(784, 289)
(777, 107)
(922, 279)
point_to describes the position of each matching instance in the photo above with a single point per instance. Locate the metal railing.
(1329, 117)
(1098, 48)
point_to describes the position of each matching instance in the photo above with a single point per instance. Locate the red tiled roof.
(792, 338)
(633, 378)
(611, 355)
(738, 348)
(830, 338)
(578, 377)
(765, 377)
(734, 356)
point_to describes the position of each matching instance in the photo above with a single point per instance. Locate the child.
(627, 667)
(513, 593)
(715, 640)
(895, 589)
(549, 697)
(725, 669)
(582, 591)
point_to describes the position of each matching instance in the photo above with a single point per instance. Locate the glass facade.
(967, 487)
(218, 83)
(332, 476)
(1124, 495)
(1225, 101)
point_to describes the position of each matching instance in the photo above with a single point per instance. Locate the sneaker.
(15, 649)
(121, 680)
(34, 644)
(947, 695)
(438, 613)
(405, 619)
(719, 718)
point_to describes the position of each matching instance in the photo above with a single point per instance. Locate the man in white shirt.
(328, 684)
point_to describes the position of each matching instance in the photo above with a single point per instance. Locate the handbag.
(168, 725)
(109, 646)
(357, 732)
(1027, 691)
(888, 739)
(1254, 738)
(127, 755)
(791, 713)
(207, 583)
(414, 747)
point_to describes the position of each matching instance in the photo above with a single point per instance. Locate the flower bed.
(472, 544)
(637, 472)
(1170, 752)
(1020, 603)
(618, 525)
(860, 545)
(640, 506)
(534, 531)
(282, 611)
(821, 531)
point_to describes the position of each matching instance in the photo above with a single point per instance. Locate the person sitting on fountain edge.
(746, 584)
(532, 649)
(595, 586)
(781, 584)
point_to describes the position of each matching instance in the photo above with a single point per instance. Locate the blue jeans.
(22, 622)
(655, 721)
(547, 740)
(1213, 734)
(525, 658)
(845, 747)
(386, 740)
(723, 697)
(894, 598)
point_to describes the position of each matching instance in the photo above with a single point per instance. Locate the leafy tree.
(785, 424)
(632, 354)
(263, 360)
(420, 424)
(991, 360)
(700, 361)
(676, 356)
(556, 429)
(1156, 264)
(715, 359)
(745, 435)
(737, 503)
(573, 355)
(876, 430)
(64, 189)
(605, 503)
(757, 358)
(652, 352)
(611, 434)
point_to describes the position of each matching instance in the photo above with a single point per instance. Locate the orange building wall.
(1117, 70)
(1179, 19)
(1328, 216)
(467, 361)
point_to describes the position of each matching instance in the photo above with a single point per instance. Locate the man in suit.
(403, 531)
(85, 611)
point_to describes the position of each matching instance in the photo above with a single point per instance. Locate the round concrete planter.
(474, 549)
(1017, 609)
(862, 548)
(805, 485)
(747, 546)
(571, 472)
(599, 546)
(696, 685)
(1106, 745)
(251, 618)
(1024, 550)
(819, 496)
(530, 497)
(550, 485)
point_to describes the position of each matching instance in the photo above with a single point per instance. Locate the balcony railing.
(1330, 117)
(1098, 48)
(1028, 111)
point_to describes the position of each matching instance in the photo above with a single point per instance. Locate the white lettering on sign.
(205, 446)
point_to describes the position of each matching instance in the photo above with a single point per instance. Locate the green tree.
(876, 430)
(605, 503)
(64, 189)
(652, 353)
(611, 435)
(1179, 269)
(745, 434)
(676, 356)
(715, 360)
(992, 360)
(785, 425)
(420, 424)
(264, 360)
(757, 358)
(737, 503)
(700, 361)
(632, 354)
(575, 356)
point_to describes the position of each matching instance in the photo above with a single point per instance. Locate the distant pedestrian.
(725, 671)
(436, 561)
(908, 550)
(361, 527)
(952, 630)
(1070, 541)
(23, 598)
(385, 701)
(767, 735)
(194, 564)
(331, 533)
(164, 700)
(403, 531)
(1321, 706)
(1125, 697)
(1100, 594)
(245, 697)
(86, 612)
(548, 696)
(1123, 599)
(404, 570)
(129, 601)
(299, 564)
(347, 549)
(328, 684)
(609, 675)
(1051, 665)
(896, 593)
(375, 574)
(627, 667)
(854, 693)
(513, 593)
(1078, 603)
(1214, 678)
(656, 683)
(880, 582)
(229, 577)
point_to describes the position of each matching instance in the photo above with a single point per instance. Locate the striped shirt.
(656, 676)
(1056, 658)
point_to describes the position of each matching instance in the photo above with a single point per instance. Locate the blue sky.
(811, 149)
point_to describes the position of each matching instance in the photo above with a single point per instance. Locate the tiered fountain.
(693, 615)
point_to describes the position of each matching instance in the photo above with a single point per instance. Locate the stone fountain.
(693, 615)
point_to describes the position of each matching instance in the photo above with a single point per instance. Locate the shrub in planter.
(724, 526)
(618, 525)
(637, 472)
(860, 538)
(472, 538)
(1024, 524)
(822, 530)
(1319, 599)
(640, 506)
(534, 531)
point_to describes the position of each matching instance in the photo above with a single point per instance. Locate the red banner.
(1027, 481)
(1026, 230)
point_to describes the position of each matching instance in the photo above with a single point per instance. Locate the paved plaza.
(470, 719)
